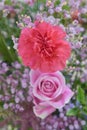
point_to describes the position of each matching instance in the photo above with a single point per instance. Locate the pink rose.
(49, 92)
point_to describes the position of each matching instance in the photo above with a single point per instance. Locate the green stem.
(37, 5)
(4, 50)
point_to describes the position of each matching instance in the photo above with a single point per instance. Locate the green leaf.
(85, 110)
(30, 129)
(8, 2)
(7, 53)
(85, 127)
(66, 7)
(81, 95)
(72, 112)
(57, 2)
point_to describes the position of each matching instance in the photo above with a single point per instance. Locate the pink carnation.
(43, 47)
(49, 92)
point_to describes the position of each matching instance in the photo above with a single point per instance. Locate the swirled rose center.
(48, 87)
(47, 84)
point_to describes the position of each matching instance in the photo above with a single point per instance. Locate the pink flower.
(49, 92)
(43, 47)
(31, 2)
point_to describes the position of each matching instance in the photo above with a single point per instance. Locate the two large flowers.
(44, 49)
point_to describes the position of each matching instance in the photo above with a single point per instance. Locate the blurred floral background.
(16, 111)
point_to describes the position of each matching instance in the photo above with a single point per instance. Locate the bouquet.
(43, 62)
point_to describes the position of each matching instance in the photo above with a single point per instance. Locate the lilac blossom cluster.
(13, 3)
(53, 122)
(14, 86)
(62, 121)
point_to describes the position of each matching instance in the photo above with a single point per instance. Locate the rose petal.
(62, 99)
(60, 77)
(43, 110)
(37, 93)
(34, 75)
(36, 101)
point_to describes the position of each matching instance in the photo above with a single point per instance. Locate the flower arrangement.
(43, 64)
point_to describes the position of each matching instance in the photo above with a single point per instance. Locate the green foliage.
(6, 51)
(57, 2)
(81, 95)
(82, 100)
(30, 129)
(66, 7)
(85, 127)
(8, 2)
(85, 109)
(3, 114)
(73, 112)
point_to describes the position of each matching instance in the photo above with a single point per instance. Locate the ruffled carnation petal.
(44, 48)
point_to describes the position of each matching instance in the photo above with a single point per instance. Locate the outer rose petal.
(34, 75)
(43, 110)
(62, 99)
(60, 76)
